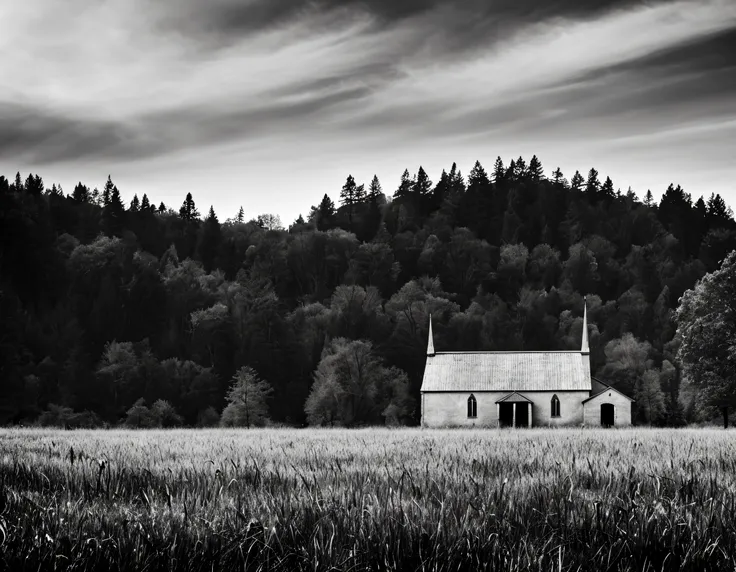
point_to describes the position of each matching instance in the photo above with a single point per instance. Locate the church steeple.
(585, 348)
(430, 343)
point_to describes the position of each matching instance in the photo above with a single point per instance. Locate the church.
(518, 389)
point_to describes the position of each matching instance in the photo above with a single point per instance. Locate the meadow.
(371, 499)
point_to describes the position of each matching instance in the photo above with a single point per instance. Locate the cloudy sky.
(270, 104)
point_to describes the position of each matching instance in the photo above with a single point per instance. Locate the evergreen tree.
(719, 212)
(535, 171)
(107, 191)
(145, 204)
(478, 178)
(405, 186)
(188, 210)
(606, 191)
(499, 171)
(558, 177)
(240, 217)
(209, 241)
(81, 193)
(649, 199)
(135, 204)
(592, 186)
(349, 198)
(17, 186)
(422, 185)
(325, 214)
(576, 183)
(161, 208)
(113, 214)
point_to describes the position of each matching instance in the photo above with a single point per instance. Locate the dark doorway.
(506, 414)
(522, 414)
(607, 416)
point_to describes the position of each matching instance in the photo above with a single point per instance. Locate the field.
(375, 499)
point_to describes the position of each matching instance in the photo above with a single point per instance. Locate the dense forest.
(148, 315)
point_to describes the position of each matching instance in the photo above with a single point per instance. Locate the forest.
(144, 315)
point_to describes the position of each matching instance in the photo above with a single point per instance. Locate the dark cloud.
(44, 136)
(698, 76)
(461, 24)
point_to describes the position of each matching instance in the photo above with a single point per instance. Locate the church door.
(522, 414)
(607, 414)
(506, 415)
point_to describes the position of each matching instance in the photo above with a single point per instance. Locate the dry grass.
(374, 499)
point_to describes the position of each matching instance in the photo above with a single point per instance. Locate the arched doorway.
(607, 414)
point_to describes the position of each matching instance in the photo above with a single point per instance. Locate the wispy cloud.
(357, 85)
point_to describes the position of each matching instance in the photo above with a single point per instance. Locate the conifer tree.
(592, 185)
(135, 204)
(405, 186)
(558, 177)
(576, 183)
(499, 171)
(240, 217)
(145, 204)
(161, 208)
(348, 198)
(422, 185)
(535, 171)
(188, 210)
(17, 185)
(209, 241)
(606, 191)
(649, 198)
(81, 193)
(325, 213)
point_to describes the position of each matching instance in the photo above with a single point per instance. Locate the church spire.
(585, 348)
(430, 343)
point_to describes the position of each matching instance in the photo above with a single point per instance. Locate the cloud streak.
(357, 84)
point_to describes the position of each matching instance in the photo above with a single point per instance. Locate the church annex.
(518, 389)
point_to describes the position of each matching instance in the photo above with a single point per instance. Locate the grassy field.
(374, 499)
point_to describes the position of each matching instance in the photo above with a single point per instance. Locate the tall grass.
(375, 499)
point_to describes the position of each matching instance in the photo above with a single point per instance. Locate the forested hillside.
(112, 313)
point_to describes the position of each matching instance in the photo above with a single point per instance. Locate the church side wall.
(450, 409)
(621, 409)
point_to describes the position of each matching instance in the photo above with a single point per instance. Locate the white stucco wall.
(621, 409)
(450, 409)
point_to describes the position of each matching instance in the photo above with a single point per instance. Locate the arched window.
(555, 406)
(472, 407)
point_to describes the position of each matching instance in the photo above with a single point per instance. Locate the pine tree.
(240, 217)
(535, 171)
(478, 178)
(405, 186)
(456, 181)
(649, 199)
(374, 191)
(81, 193)
(107, 191)
(719, 212)
(161, 208)
(422, 185)
(499, 171)
(145, 204)
(558, 177)
(17, 186)
(576, 183)
(209, 241)
(135, 204)
(348, 198)
(325, 213)
(188, 210)
(520, 169)
(606, 191)
(592, 186)
(95, 196)
(34, 185)
(113, 213)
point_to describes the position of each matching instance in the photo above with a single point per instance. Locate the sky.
(270, 104)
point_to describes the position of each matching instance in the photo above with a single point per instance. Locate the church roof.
(506, 371)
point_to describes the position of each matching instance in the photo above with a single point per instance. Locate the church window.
(472, 407)
(555, 406)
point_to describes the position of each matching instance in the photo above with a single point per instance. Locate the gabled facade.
(518, 389)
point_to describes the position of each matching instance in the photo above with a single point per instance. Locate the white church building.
(518, 389)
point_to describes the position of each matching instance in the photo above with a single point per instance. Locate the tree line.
(152, 316)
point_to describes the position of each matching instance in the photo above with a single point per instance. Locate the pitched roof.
(506, 371)
(607, 388)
